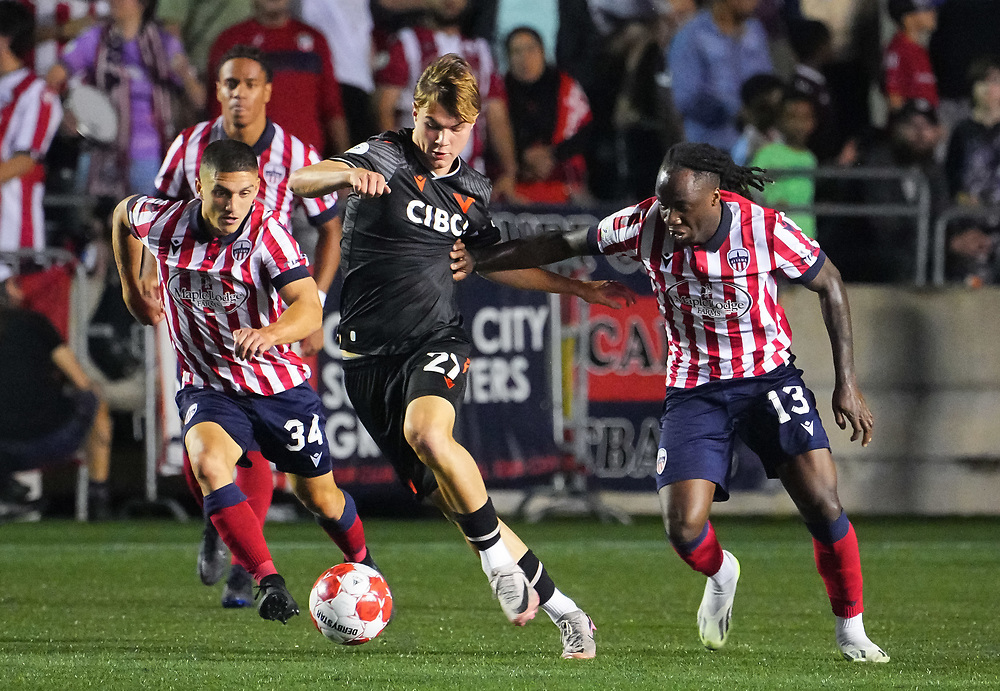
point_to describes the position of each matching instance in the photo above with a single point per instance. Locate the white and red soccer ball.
(350, 603)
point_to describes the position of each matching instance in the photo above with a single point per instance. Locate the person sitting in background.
(812, 43)
(797, 122)
(710, 58)
(551, 119)
(139, 65)
(890, 245)
(761, 98)
(973, 170)
(907, 64)
(49, 408)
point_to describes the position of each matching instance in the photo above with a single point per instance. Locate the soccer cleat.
(577, 631)
(274, 602)
(716, 609)
(518, 599)
(212, 556)
(862, 650)
(239, 589)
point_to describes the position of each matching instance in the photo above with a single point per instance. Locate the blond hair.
(449, 82)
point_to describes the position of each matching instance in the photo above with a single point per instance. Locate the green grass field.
(118, 606)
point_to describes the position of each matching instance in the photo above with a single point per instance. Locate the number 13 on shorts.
(794, 395)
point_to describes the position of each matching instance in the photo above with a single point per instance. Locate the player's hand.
(368, 184)
(608, 293)
(251, 343)
(146, 310)
(312, 344)
(849, 406)
(463, 264)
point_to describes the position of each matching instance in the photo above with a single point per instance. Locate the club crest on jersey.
(199, 293)
(241, 250)
(305, 42)
(359, 149)
(661, 460)
(192, 409)
(739, 259)
(273, 173)
(724, 301)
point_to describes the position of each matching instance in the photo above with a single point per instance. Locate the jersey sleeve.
(319, 210)
(794, 253)
(283, 259)
(378, 154)
(619, 233)
(170, 180)
(34, 122)
(143, 212)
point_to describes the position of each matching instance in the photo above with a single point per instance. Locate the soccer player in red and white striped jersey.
(29, 115)
(244, 90)
(712, 257)
(236, 294)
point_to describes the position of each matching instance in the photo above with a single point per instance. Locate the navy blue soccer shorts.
(774, 414)
(289, 427)
(382, 386)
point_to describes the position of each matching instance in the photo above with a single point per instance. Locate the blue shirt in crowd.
(708, 68)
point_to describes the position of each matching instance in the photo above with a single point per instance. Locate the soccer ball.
(350, 603)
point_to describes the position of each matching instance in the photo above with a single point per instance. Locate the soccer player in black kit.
(406, 356)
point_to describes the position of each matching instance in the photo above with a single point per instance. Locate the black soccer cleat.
(274, 601)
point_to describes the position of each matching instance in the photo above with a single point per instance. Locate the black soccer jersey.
(398, 288)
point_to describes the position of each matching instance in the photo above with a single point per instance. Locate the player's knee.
(210, 468)
(683, 527)
(429, 443)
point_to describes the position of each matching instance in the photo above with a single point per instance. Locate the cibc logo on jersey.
(206, 294)
(437, 219)
(701, 299)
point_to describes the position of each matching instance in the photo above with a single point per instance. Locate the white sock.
(494, 557)
(851, 629)
(726, 572)
(558, 605)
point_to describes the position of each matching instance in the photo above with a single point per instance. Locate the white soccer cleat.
(577, 631)
(862, 650)
(716, 609)
(517, 598)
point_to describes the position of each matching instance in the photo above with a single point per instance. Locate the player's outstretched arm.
(608, 293)
(128, 257)
(327, 177)
(303, 316)
(848, 403)
(523, 253)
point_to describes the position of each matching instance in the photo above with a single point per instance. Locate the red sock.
(839, 564)
(704, 553)
(192, 483)
(347, 532)
(257, 482)
(241, 532)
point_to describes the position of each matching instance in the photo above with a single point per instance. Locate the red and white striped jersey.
(719, 299)
(57, 14)
(279, 154)
(414, 49)
(213, 286)
(29, 115)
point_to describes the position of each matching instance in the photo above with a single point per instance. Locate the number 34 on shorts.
(448, 365)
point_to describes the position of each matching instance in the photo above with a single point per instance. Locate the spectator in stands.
(973, 169)
(796, 124)
(914, 133)
(412, 50)
(710, 58)
(907, 64)
(48, 407)
(29, 116)
(551, 119)
(141, 67)
(347, 26)
(812, 43)
(761, 96)
(57, 22)
(199, 22)
(306, 98)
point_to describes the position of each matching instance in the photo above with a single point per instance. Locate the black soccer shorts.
(382, 386)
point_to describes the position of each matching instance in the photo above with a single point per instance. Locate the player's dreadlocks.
(705, 158)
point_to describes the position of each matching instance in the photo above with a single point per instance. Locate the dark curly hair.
(705, 158)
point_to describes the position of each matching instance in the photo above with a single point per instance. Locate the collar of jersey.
(725, 224)
(201, 232)
(264, 143)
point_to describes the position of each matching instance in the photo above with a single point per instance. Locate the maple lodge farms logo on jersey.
(701, 300)
(206, 294)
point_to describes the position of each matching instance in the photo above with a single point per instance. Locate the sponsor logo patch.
(724, 301)
(207, 294)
